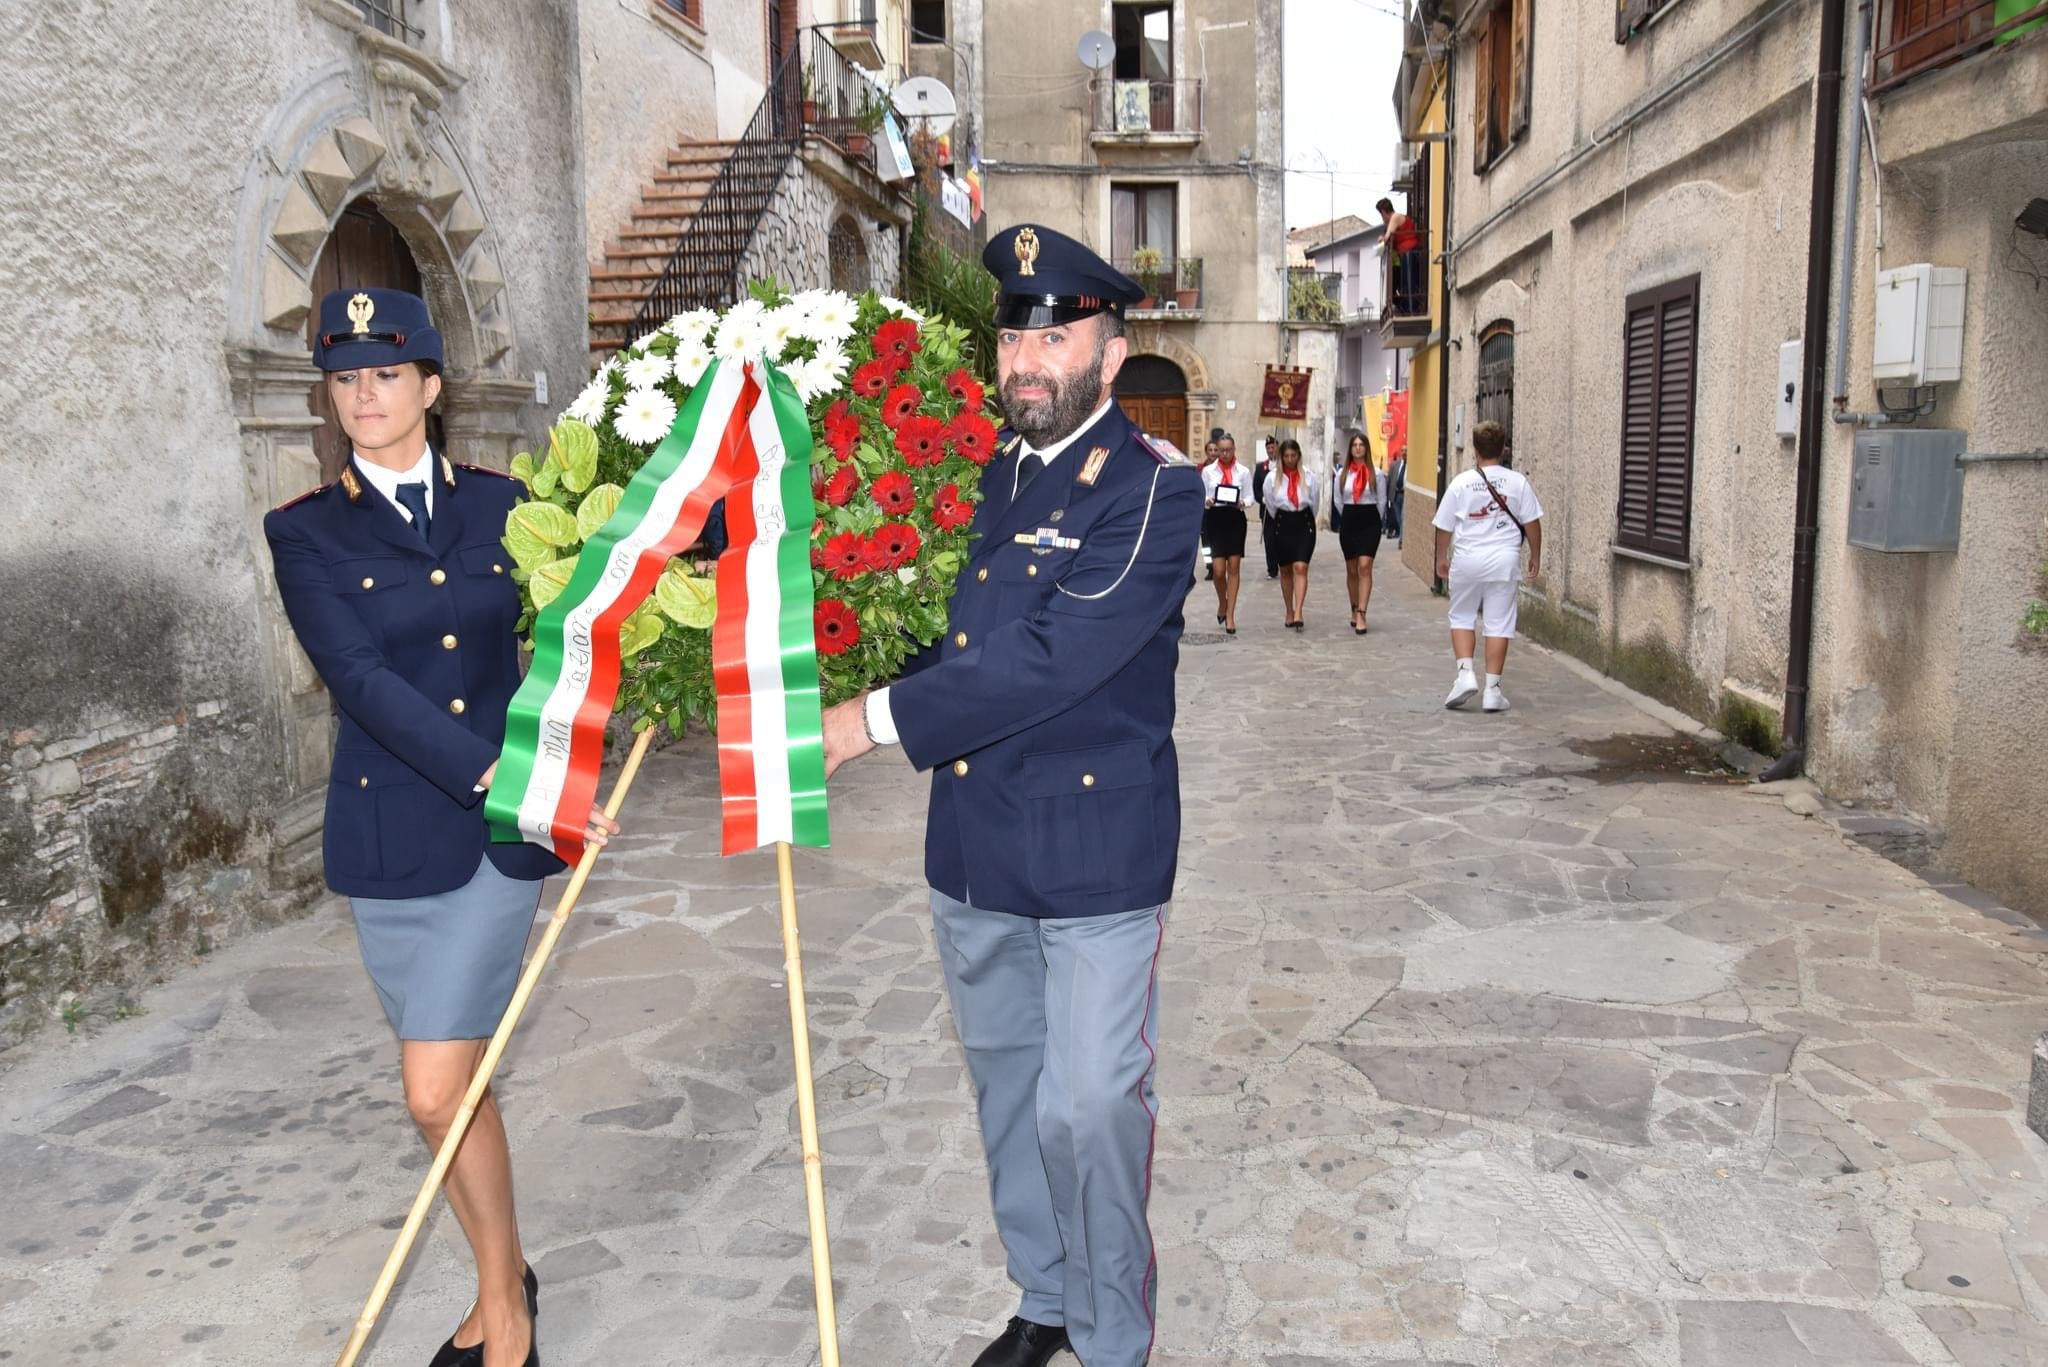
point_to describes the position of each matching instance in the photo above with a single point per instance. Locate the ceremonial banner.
(729, 434)
(1286, 395)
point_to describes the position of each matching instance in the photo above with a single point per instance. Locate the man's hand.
(1443, 567)
(846, 733)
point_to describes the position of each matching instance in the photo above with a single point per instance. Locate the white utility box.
(1919, 325)
(1788, 389)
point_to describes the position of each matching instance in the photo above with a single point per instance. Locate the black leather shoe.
(1024, 1344)
(451, 1356)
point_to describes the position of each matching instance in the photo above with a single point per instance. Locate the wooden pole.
(807, 1114)
(473, 1098)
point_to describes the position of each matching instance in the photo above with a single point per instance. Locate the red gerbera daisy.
(967, 389)
(845, 482)
(842, 430)
(948, 511)
(896, 341)
(838, 629)
(845, 556)
(973, 436)
(894, 492)
(893, 545)
(922, 441)
(870, 379)
(901, 403)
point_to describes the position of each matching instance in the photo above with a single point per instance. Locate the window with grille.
(1660, 346)
(692, 10)
(1633, 16)
(393, 18)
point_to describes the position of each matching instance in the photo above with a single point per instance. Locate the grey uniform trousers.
(1060, 1022)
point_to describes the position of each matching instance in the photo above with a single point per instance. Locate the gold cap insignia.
(361, 308)
(1027, 251)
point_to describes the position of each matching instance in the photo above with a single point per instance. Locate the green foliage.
(2035, 619)
(1309, 302)
(941, 283)
(1747, 724)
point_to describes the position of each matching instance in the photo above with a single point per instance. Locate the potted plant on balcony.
(810, 100)
(867, 121)
(1148, 264)
(1189, 295)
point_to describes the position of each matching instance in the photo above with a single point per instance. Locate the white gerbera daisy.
(692, 326)
(779, 326)
(834, 361)
(590, 405)
(810, 379)
(645, 416)
(692, 360)
(747, 311)
(834, 313)
(740, 338)
(645, 372)
(900, 309)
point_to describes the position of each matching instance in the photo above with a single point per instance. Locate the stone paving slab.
(1483, 1045)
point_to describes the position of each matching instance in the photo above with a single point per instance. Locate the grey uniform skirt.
(445, 966)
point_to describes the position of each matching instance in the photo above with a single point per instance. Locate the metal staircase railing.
(815, 86)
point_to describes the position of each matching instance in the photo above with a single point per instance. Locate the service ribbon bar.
(742, 435)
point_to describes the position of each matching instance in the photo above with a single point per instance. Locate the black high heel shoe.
(473, 1356)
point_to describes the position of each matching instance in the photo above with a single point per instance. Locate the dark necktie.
(413, 497)
(1028, 466)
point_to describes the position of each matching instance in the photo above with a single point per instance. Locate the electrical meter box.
(1919, 325)
(1788, 389)
(1906, 489)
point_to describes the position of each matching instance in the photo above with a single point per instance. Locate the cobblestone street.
(1491, 1040)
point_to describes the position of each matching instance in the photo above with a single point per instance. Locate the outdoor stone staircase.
(669, 206)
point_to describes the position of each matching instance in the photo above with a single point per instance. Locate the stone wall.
(821, 186)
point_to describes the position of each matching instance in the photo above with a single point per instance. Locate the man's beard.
(1048, 420)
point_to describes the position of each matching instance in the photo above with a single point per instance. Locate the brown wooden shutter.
(1482, 97)
(1659, 350)
(1518, 72)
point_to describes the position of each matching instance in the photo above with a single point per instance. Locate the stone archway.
(1163, 340)
(372, 131)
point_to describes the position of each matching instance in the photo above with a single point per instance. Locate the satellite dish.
(928, 99)
(1098, 50)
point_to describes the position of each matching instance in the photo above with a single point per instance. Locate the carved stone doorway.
(363, 252)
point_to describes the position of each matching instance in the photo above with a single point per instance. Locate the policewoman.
(1045, 715)
(398, 589)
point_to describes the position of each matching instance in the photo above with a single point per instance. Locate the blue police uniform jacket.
(1046, 711)
(415, 641)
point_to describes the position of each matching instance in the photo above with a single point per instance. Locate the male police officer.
(1046, 716)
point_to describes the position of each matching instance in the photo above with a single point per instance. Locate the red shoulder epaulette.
(295, 502)
(486, 470)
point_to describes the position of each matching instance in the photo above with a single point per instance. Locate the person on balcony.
(1404, 240)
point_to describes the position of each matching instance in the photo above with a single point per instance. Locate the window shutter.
(1659, 345)
(1518, 72)
(1482, 97)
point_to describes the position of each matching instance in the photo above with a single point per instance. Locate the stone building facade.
(1174, 145)
(182, 181)
(1605, 175)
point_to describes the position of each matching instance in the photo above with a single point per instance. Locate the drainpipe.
(1846, 287)
(1813, 425)
(1443, 335)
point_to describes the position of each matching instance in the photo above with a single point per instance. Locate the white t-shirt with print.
(1485, 545)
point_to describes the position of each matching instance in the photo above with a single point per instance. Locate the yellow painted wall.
(1425, 371)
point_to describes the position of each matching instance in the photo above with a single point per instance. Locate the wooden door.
(1159, 415)
(363, 251)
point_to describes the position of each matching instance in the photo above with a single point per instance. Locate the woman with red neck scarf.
(1226, 488)
(1291, 505)
(1360, 491)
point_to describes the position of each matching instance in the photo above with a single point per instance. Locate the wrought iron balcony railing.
(1916, 36)
(1314, 296)
(1144, 109)
(1171, 285)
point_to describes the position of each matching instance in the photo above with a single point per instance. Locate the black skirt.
(1360, 534)
(1293, 537)
(1223, 532)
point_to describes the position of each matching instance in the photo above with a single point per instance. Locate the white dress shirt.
(1240, 479)
(1276, 492)
(1374, 493)
(875, 711)
(386, 481)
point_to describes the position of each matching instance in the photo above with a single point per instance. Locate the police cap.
(1045, 278)
(369, 327)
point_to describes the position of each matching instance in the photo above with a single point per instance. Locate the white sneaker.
(1462, 690)
(1495, 700)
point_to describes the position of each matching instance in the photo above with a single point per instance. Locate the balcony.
(1144, 113)
(1918, 36)
(1173, 288)
(1315, 296)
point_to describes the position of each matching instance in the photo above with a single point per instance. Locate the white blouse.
(1374, 493)
(1240, 479)
(1276, 492)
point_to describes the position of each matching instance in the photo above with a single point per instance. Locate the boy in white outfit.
(1482, 522)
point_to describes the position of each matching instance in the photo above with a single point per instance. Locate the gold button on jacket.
(368, 582)
(438, 577)
(457, 706)
(448, 643)
(960, 768)
(960, 639)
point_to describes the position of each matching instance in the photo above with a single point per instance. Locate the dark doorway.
(1496, 396)
(363, 251)
(1153, 393)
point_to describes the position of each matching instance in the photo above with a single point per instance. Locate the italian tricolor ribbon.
(743, 436)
